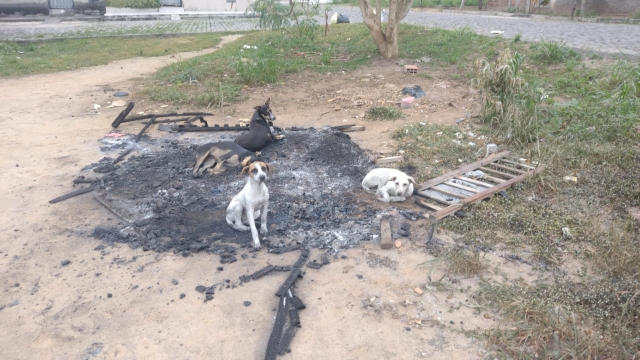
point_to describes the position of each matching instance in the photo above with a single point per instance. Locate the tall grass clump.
(509, 103)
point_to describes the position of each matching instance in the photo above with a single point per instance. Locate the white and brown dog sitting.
(388, 184)
(253, 200)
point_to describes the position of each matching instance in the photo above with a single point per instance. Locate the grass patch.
(270, 54)
(52, 56)
(543, 102)
(383, 113)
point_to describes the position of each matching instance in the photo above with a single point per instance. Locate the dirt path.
(122, 303)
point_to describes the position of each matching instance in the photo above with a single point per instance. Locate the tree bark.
(480, 5)
(462, 5)
(386, 41)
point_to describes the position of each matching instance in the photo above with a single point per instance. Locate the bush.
(134, 4)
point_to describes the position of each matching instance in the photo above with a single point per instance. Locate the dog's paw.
(263, 229)
(279, 137)
(256, 246)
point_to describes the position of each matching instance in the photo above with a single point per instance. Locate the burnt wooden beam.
(294, 317)
(166, 121)
(262, 272)
(276, 331)
(123, 114)
(285, 342)
(293, 275)
(84, 181)
(73, 194)
(297, 303)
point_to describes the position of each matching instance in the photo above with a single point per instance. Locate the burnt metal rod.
(73, 193)
(142, 117)
(121, 156)
(122, 115)
(153, 120)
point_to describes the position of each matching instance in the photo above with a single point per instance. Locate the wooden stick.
(493, 171)
(167, 121)
(353, 128)
(73, 193)
(342, 127)
(153, 120)
(517, 171)
(462, 170)
(104, 203)
(121, 156)
(387, 160)
(426, 205)
(518, 164)
(386, 240)
(424, 193)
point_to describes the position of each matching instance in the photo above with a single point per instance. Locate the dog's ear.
(245, 170)
(270, 169)
(257, 108)
(268, 101)
(412, 180)
(392, 179)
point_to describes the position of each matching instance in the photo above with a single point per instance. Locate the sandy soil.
(122, 303)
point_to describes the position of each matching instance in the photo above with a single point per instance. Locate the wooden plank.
(450, 193)
(427, 205)
(462, 170)
(387, 160)
(441, 201)
(518, 163)
(451, 209)
(461, 187)
(517, 171)
(386, 241)
(493, 171)
(475, 182)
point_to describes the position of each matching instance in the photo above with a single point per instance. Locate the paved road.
(610, 38)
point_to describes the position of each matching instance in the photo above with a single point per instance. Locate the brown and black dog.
(259, 129)
(223, 154)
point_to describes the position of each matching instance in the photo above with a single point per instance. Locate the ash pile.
(312, 197)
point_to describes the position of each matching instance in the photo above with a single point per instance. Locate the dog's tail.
(367, 189)
(233, 225)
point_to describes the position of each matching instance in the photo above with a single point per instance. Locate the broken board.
(448, 193)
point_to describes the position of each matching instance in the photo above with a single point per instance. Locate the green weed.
(549, 53)
(383, 113)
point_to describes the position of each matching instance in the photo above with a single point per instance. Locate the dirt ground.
(121, 303)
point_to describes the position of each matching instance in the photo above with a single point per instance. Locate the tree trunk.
(480, 5)
(386, 41)
(462, 5)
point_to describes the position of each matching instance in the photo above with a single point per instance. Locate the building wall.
(215, 5)
(34, 7)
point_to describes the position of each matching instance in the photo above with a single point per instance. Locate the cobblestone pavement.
(609, 38)
(31, 30)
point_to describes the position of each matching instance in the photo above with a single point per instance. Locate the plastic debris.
(96, 106)
(407, 102)
(121, 93)
(571, 179)
(415, 91)
(492, 149)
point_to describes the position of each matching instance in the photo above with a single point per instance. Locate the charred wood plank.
(262, 272)
(123, 114)
(73, 194)
(297, 303)
(139, 136)
(276, 331)
(285, 342)
(169, 120)
(314, 265)
(288, 282)
(294, 317)
(285, 249)
(298, 264)
(84, 181)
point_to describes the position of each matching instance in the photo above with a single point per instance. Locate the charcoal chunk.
(262, 272)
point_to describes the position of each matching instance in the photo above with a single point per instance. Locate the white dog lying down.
(253, 198)
(388, 184)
